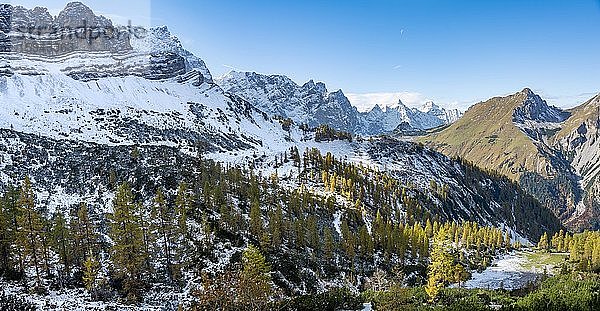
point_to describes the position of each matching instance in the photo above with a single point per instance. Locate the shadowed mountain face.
(551, 152)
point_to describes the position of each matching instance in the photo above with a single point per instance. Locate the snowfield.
(511, 271)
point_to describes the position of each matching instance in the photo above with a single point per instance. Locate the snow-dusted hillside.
(150, 92)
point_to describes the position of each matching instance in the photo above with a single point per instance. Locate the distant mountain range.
(553, 153)
(312, 104)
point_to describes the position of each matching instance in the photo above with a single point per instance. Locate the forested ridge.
(335, 221)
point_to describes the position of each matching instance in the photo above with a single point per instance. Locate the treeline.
(367, 188)
(449, 263)
(572, 291)
(401, 224)
(583, 248)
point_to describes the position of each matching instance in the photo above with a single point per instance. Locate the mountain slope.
(487, 135)
(579, 141)
(145, 89)
(140, 90)
(535, 144)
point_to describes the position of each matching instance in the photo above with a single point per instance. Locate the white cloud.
(364, 102)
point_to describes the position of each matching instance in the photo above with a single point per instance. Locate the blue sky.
(453, 52)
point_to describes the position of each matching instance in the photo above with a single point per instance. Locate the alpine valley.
(131, 178)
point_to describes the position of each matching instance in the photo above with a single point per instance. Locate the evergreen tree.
(11, 251)
(183, 203)
(348, 241)
(544, 244)
(90, 274)
(31, 226)
(10, 254)
(5, 240)
(127, 253)
(256, 223)
(328, 243)
(163, 227)
(62, 242)
(83, 235)
(255, 280)
(276, 227)
(313, 232)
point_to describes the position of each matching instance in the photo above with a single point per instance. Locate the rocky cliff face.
(75, 29)
(310, 103)
(579, 141)
(535, 109)
(88, 47)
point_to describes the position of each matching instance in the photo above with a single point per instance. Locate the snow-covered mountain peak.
(397, 106)
(314, 87)
(429, 106)
(87, 47)
(447, 115)
(376, 109)
(339, 94)
(159, 41)
(278, 95)
(312, 104)
(74, 15)
(309, 84)
(139, 87)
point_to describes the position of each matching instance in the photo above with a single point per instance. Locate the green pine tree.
(90, 274)
(256, 223)
(31, 227)
(128, 252)
(62, 242)
(255, 280)
(163, 227)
